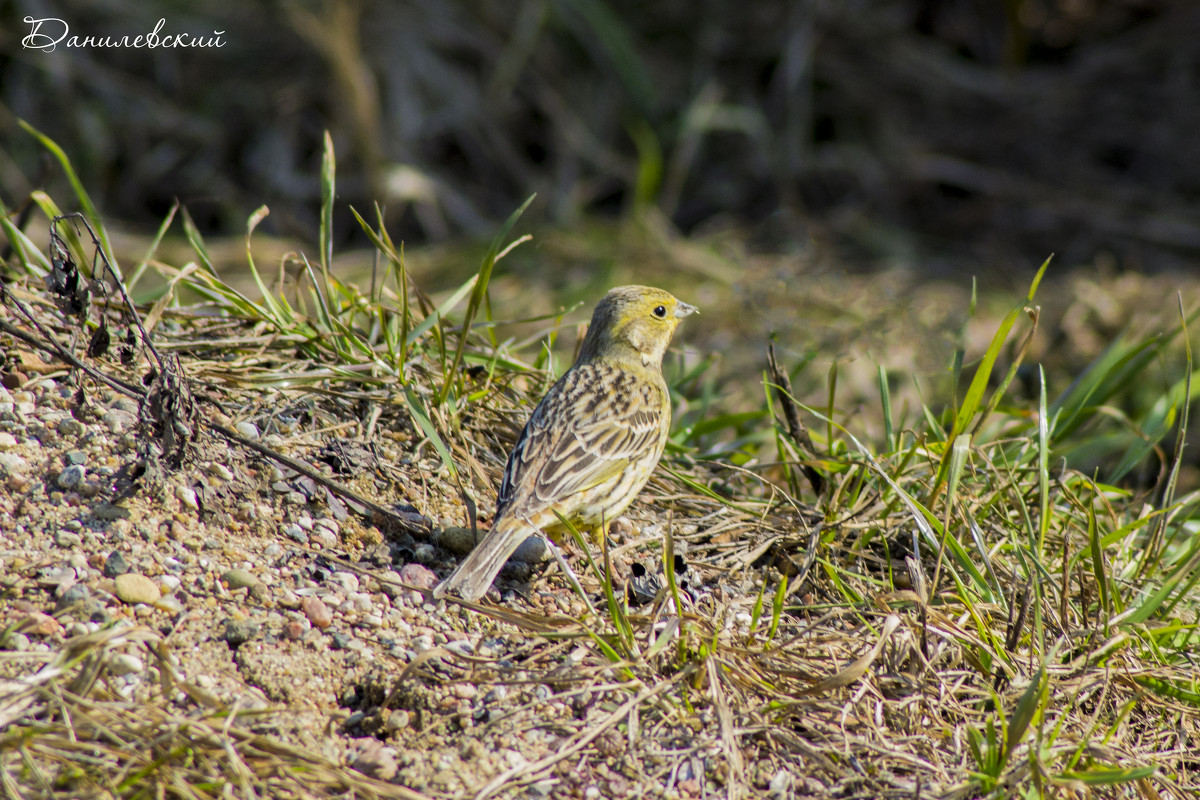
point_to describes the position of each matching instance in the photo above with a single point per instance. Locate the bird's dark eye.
(660, 312)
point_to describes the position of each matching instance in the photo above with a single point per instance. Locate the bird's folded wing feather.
(592, 439)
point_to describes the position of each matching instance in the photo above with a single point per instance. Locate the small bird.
(593, 441)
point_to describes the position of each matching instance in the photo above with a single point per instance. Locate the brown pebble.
(39, 624)
(294, 629)
(317, 612)
(418, 575)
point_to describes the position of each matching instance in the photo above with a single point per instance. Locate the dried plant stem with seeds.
(594, 439)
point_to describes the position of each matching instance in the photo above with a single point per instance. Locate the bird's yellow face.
(633, 324)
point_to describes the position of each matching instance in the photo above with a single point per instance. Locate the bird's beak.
(684, 309)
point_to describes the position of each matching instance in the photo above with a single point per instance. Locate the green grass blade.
(416, 410)
(885, 401)
(140, 268)
(1032, 701)
(328, 194)
(1043, 465)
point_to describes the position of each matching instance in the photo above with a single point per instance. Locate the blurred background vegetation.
(951, 136)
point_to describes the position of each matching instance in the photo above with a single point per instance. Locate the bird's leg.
(570, 575)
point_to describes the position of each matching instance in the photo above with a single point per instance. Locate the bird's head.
(633, 324)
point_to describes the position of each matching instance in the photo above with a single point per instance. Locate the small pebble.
(376, 761)
(187, 497)
(220, 471)
(459, 541)
(418, 575)
(462, 647)
(532, 551)
(35, 623)
(398, 720)
(247, 429)
(239, 578)
(69, 426)
(295, 533)
(237, 632)
(317, 612)
(67, 539)
(170, 604)
(72, 596)
(124, 664)
(54, 577)
(347, 581)
(17, 642)
(119, 421)
(76, 457)
(294, 629)
(115, 565)
(108, 512)
(133, 588)
(71, 477)
(13, 464)
(7, 440)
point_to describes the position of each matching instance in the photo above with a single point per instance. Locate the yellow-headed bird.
(593, 441)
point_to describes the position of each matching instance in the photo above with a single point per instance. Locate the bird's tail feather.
(474, 576)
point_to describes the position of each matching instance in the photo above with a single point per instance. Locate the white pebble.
(220, 471)
(187, 497)
(13, 464)
(124, 664)
(348, 581)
